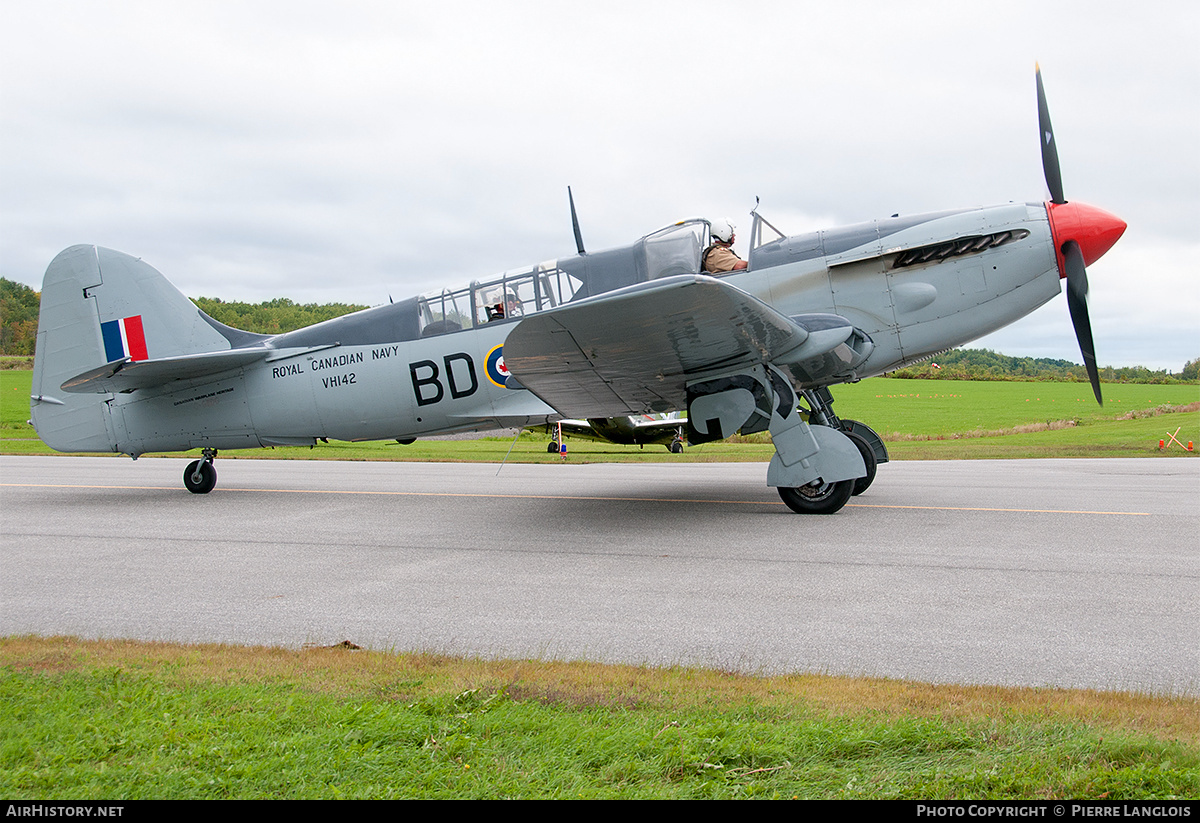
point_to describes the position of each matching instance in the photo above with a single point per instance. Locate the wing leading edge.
(633, 351)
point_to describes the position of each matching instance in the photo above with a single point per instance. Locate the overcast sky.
(352, 151)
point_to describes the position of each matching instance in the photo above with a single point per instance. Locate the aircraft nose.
(1095, 230)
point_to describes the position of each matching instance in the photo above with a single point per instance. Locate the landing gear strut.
(870, 445)
(201, 476)
(814, 466)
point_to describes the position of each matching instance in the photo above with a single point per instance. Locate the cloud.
(349, 152)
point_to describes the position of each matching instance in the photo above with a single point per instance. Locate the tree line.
(18, 318)
(985, 364)
(19, 315)
(273, 316)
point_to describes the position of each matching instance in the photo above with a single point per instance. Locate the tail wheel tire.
(200, 477)
(868, 456)
(818, 497)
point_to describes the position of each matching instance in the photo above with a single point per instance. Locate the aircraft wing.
(128, 375)
(634, 350)
(635, 430)
(576, 428)
(659, 431)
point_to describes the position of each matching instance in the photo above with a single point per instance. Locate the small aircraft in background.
(125, 363)
(631, 430)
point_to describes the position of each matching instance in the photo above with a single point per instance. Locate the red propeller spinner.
(1095, 230)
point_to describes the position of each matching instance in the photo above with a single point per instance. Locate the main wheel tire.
(199, 477)
(552, 448)
(818, 497)
(868, 456)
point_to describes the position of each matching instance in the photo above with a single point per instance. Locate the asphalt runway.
(1074, 573)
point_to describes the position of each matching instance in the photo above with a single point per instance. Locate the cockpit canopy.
(675, 249)
(511, 295)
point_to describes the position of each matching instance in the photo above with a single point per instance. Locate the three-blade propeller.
(1072, 257)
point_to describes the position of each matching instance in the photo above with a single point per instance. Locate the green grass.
(131, 720)
(939, 419)
(939, 407)
(919, 419)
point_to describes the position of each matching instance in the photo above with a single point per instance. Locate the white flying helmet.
(722, 229)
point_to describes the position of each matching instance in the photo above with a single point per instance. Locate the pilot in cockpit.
(510, 307)
(720, 256)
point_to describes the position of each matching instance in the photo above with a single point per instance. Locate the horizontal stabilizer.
(128, 375)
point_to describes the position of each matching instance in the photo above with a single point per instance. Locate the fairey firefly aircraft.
(630, 430)
(125, 363)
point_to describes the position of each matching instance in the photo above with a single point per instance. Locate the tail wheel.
(200, 477)
(868, 456)
(676, 446)
(818, 497)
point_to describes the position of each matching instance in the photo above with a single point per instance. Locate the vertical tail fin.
(98, 306)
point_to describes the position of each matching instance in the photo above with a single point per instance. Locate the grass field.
(919, 419)
(137, 720)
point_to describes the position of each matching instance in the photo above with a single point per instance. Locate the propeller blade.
(1049, 148)
(1077, 290)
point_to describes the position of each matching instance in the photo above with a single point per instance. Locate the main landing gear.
(817, 497)
(820, 497)
(870, 446)
(819, 461)
(201, 476)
